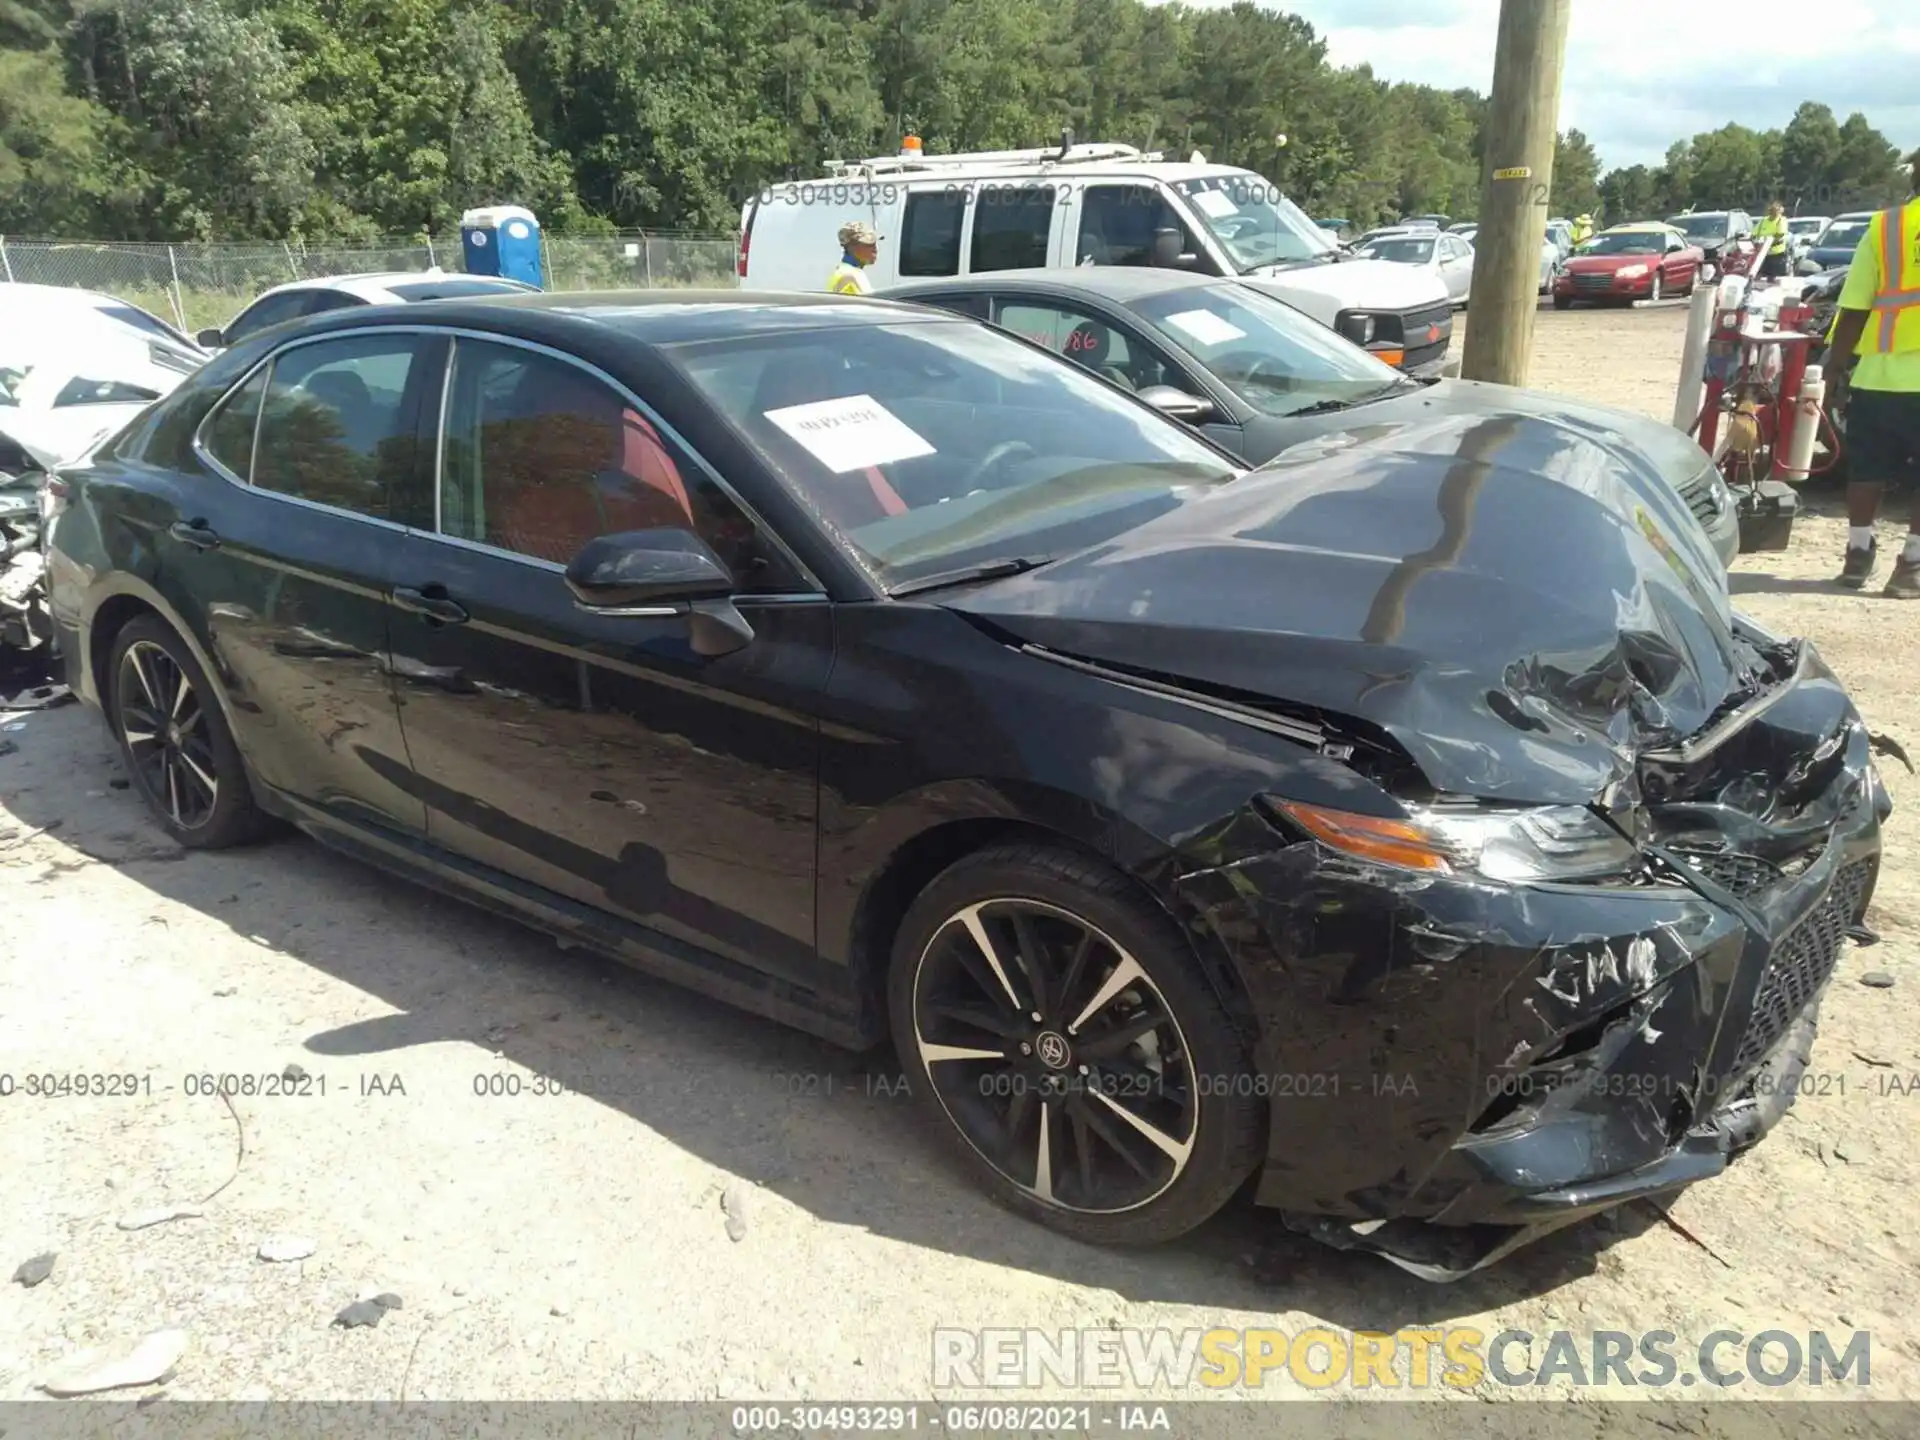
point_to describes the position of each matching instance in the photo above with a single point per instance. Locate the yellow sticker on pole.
(1514, 172)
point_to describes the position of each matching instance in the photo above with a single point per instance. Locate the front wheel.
(1659, 291)
(1064, 1038)
(175, 741)
(1563, 302)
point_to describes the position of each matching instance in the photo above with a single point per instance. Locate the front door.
(290, 555)
(593, 755)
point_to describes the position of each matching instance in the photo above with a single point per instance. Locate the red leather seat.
(568, 462)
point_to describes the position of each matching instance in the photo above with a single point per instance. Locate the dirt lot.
(576, 1245)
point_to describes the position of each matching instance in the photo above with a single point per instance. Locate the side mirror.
(1167, 252)
(661, 572)
(210, 339)
(1177, 404)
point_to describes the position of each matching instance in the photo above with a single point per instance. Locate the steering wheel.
(991, 461)
(1257, 367)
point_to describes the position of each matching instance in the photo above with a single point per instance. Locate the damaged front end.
(1526, 1033)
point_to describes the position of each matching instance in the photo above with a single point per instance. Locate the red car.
(1629, 263)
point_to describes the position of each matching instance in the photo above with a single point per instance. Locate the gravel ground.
(577, 1245)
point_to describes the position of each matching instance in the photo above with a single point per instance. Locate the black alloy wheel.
(1063, 1032)
(175, 741)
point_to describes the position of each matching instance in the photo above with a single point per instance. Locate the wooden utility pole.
(1522, 121)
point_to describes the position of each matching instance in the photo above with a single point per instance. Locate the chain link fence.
(197, 284)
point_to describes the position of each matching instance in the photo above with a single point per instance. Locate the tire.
(174, 740)
(1191, 1141)
(1563, 302)
(1659, 290)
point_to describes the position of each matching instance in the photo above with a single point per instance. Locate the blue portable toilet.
(502, 240)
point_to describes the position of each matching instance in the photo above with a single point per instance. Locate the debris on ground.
(283, 1249)
(223, 994)
(159, 1215)
(7, 747)
(293, 1072)
(1873, 1060)
(38, 697)
(1877, 979)
(148, 1362)
(360, 1312)
(1887, 745)
(32, 1272)
(387, 1300)
(733, 1201)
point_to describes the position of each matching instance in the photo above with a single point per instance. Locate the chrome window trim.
(647, 412)
(453, 334)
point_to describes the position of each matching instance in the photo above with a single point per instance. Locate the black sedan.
(1411, 829)
(1257, 376)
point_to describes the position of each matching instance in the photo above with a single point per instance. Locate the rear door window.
(930, 232)
(337, 427)
(1012, 225)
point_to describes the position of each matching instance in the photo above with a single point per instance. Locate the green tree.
(1576, 175)
(1631, 194)
(51, 150)
(1810, 157)
(1867, 172)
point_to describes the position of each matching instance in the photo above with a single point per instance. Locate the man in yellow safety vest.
(1880, 322)
(859, 248)
(1771, 236)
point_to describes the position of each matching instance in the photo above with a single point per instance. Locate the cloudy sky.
(1644, 73)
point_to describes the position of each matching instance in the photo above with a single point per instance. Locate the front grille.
(1741, 874)
(1702, 495)
(1414, 359)
(1802, 962)
(1413, 327)
(1593, 282)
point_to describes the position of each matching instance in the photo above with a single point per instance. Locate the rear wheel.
(175, 741)
(1064, 1038)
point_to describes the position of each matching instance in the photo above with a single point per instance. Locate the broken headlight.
(1514, 844)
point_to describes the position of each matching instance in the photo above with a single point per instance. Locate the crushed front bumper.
(1515, 1059)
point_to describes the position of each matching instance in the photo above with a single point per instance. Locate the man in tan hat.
(859, 248)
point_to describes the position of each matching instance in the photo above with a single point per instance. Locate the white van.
(1091, 205)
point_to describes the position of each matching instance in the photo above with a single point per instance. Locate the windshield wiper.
(985, 570)
(1327, 407)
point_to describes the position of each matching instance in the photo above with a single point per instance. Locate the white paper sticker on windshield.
(1205, 327)
(1215, 203)
(850, 433)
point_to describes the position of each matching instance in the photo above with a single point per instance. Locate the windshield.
(1400, 251)
(931, 446)
(1804, 227)
(1625, 243)
(1254, 222)
(1843, 233)
(1701, 227)
(1266, 352)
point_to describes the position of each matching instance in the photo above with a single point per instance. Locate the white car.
(1445, 256)
(1070, 205)
(339, 292)
(76, 366)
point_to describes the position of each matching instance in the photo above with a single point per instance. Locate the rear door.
(1011, 226)
(595, 755)
(291, 554)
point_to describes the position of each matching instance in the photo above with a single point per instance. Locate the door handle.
(194, 533)
(431, 601)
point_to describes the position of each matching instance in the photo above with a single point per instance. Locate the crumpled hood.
(53, 438)
(1505, 593)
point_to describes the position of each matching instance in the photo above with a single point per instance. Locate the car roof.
(376, 285)
(655, 317)
(1120, 283)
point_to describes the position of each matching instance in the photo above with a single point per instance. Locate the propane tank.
(1806, 427)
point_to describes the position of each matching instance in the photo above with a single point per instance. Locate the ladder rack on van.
(990, 159)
